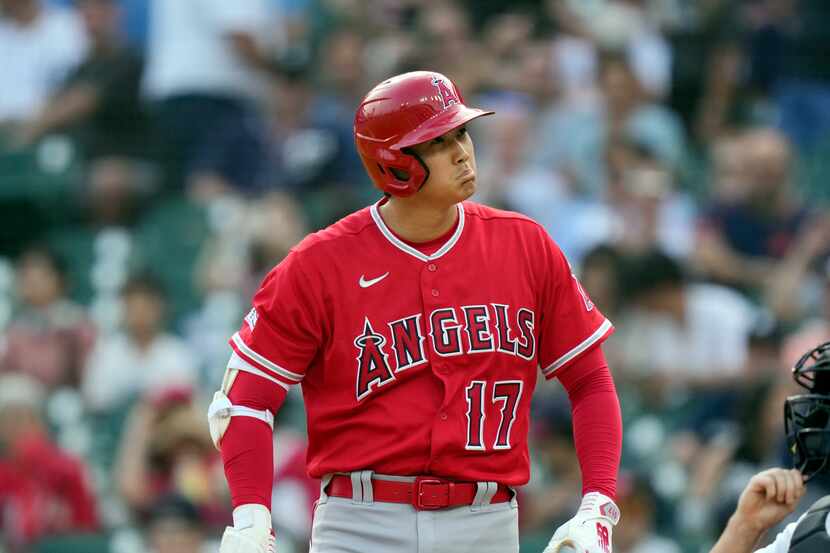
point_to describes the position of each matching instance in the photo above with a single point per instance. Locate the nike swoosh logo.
(366, 283)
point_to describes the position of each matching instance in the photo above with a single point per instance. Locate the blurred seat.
(45, 173)
(106, 430)
(169, 240)
(37, 187)
(75, 245)
(88, 543)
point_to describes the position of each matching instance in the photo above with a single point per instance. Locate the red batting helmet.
(400, 112)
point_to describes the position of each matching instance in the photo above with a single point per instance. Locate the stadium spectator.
(543, 191)
(708, 86)
(99, 100)
(600, 273)
(39, 45)
(814, 329)
(550, 496)
(573, 53)
(166, 449)
(630, 114)
(49, 337)
(569, 134)
(295, 494)
(575, 138)
(448, 45)
(640, 534)
(230, 269)
(800, 78)
(764, 241)
(729, 169)
(141, 359)
(508, 176)
(627, 27)
(505, 37)
(342, 75)
(115, 193)
(202, 76)
(278, 225)
(652, 210)
(310, 149)
(173, 526)
(682, 335)
(43, 489)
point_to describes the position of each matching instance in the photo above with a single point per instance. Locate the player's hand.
(589, 531)
(769, 497)
(251, 531)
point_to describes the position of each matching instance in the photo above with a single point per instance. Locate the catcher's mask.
(807, 416)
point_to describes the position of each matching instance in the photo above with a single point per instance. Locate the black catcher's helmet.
(807, 416)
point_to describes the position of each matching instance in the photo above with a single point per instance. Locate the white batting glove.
(251, 531)
(589, 531)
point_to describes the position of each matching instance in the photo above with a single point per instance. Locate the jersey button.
(432, 267)
(434, 293)
(443, 416)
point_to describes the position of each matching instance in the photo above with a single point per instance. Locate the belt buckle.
(425, 500)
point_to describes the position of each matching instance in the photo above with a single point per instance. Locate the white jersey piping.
(584, 345)
(285, 373)
(401, 245)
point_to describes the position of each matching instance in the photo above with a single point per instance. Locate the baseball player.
(773, 494)
(417, 328)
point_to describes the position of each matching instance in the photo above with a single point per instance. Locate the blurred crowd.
(157, 157)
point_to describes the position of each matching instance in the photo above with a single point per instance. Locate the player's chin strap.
(589, 531)
(221, 410)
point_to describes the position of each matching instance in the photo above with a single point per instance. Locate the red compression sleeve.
(247, 446)
(597, 422)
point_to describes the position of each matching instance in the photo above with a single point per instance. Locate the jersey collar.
(401, 245)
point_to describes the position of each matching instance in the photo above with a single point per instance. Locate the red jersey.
(414, 363)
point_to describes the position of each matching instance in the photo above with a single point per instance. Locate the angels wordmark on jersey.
(429, 370)
(452, 331)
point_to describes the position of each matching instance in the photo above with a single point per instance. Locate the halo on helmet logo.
(448, 97)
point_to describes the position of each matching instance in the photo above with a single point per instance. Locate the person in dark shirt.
(803, 83)
(99, 101)
(309, 149)
(765, 241)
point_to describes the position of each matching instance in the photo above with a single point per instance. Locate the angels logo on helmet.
(448, 97)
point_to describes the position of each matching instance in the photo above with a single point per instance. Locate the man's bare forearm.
(739, 537)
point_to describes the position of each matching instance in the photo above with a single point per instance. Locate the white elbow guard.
(221, 410)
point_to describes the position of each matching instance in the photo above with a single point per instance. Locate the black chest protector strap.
(811, 534)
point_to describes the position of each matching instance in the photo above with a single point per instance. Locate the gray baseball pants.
(361, 525)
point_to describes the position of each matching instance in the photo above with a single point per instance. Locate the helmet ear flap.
(402, 176)
(422, 166)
